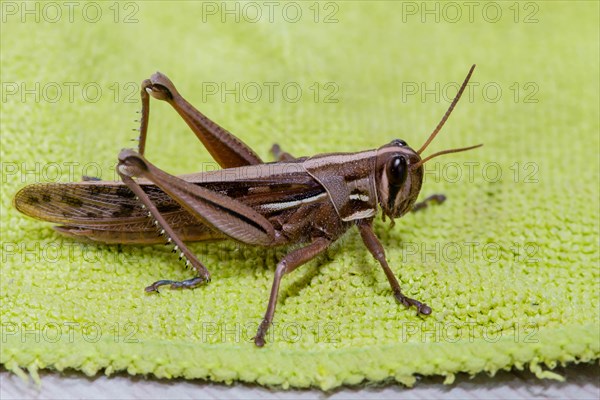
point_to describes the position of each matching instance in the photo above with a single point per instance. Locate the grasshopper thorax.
(399, 178)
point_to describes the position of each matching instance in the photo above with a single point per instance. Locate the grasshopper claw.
(407, 301)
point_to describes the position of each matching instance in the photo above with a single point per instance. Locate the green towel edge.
(304, 369)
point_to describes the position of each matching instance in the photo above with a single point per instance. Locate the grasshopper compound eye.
(397, 171)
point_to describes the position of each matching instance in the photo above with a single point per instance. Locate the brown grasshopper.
(312, 200)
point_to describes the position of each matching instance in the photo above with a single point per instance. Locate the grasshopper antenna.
(445, 117)
(439, 153)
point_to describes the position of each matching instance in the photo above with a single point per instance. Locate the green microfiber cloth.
(509, 264)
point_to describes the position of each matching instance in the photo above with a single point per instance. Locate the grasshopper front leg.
(434, 199)
(370, 240)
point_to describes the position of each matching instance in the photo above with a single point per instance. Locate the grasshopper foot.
(422, 308)
(259, 339)
(435, 198)
(154, 287)
(186, 284)
(86, 178)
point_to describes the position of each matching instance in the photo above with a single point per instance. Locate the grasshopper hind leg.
(225, 148)
(281, 155)
(186, 284)
(165, 230)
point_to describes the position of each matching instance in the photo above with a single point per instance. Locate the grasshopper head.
(399, 178)
(400, 168)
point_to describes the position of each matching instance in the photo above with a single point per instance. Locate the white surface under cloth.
(581, 382)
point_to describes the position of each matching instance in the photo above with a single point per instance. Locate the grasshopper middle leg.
(289, 263)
